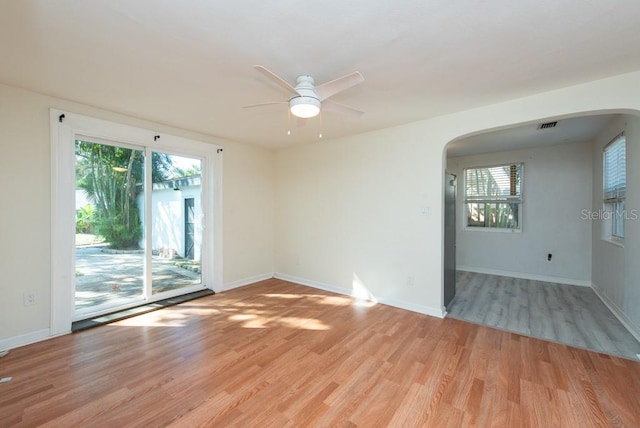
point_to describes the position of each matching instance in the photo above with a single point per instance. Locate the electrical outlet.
(29, 298)
(410, 281)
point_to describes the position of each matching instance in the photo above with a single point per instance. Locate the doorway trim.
(527, 120)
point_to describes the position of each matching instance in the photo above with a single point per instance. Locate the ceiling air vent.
(548, 125)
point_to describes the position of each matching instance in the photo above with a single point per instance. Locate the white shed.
(176, 212)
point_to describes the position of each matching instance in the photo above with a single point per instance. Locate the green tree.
(195, 169)
(85, 219)
(112, 177)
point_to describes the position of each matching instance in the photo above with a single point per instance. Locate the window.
(615, 185)
(493, 197)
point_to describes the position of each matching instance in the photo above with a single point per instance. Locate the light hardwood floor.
(563, 313)
(277, 354)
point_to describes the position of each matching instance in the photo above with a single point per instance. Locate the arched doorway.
(540, 275)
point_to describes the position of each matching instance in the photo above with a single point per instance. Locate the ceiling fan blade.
(270, 103)
(276, 79)
(332, 106)
(329, 89)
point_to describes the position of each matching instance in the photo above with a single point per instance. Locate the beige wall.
(248, 198)
(25, 214)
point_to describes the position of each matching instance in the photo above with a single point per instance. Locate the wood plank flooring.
(563, 313)
(277, 354)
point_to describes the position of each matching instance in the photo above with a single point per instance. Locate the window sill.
(491, 229)
(614, 242)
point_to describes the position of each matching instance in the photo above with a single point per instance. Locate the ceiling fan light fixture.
(304, 107)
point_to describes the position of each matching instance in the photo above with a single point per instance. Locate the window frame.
(496, 200)
(614, 207)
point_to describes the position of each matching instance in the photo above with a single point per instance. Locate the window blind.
(497, 183)
(615, 170)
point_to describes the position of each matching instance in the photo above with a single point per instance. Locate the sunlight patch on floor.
(200, 311)
(335, 300)
(283, 296)
(249, 320)
(156, 319)
(304, 323)
(242, 317)
(362, 295)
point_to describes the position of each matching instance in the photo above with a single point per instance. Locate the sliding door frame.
(66, 127)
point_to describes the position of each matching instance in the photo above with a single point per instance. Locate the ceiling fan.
(306, 98)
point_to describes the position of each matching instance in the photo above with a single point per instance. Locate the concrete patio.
(110, 279)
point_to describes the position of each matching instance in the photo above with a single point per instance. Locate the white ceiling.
(188, 63)
(567, 131)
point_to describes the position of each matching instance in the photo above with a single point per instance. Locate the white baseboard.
(619, 313)
(531, 276)
(315, 284)
(24, 339)
(409, 306)
(247, 281)
(413, 307)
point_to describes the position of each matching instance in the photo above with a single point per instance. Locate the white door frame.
(65, 128)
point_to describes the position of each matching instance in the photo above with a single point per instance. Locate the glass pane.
(506, 216)
(176, 232)
(490, 212)
(615, 174)
(494, 183)
(109, 233)
(494, 215)
(475, 215)
(618, 219)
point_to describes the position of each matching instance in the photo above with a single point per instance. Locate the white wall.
(352, 206)
(616, 269)
(168, 218)
(556, 190)
(25, 246)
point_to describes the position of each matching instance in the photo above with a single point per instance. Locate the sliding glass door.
(136, 217)
(138, 225)
(176, 232)
(109, 268)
